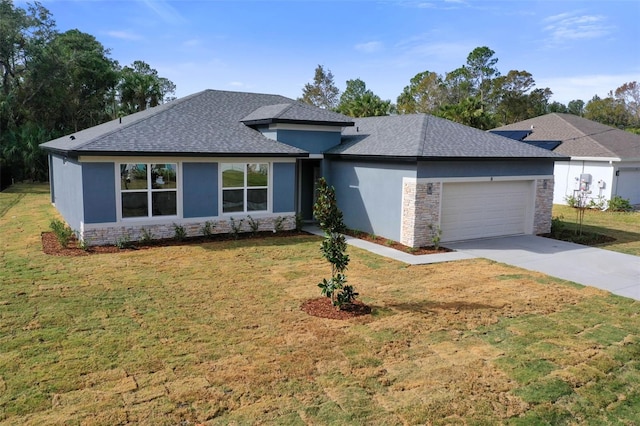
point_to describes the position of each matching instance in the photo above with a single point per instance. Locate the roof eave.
(76, 154)
(266, 121)
(414, 158)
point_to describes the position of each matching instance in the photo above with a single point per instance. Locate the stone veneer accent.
(109, 235)
(419, 210)
(544, 204)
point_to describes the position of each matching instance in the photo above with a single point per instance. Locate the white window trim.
(269, 188)
(150, 219)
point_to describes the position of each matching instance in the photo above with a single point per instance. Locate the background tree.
(69, 83)
(469, 112)
(609, 111)
(481, 68)
(576, 107)
(629, 95)
(358, 101)
(424, 94)
(53, 84)
(323, 92)
(141, 88)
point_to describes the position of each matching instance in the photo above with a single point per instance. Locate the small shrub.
(207, 229)
(388, 243)
(83, 243)
(278, 224)
(62, 232)
(557, 225)
(619, 204)
(236, 227)
(147, 236)
(346, 296)
(598, 203)
(299, 222)
(571, 200)
(123, 242)
(436, 235)
(254, 225)
(179, 233)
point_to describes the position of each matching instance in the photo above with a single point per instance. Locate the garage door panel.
(484, 209)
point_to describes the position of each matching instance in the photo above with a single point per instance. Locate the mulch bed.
(322, 307)
(396, 245)
(587, 238)
(51, 246)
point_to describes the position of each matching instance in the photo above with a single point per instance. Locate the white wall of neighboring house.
(627, 181)
(567, 178)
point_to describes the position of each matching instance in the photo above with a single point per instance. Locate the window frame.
(245, 188)
(149, 190)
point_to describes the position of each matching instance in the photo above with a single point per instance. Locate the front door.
(308, 175)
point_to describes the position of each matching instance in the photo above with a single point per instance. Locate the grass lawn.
(213, 334)
(624, 227)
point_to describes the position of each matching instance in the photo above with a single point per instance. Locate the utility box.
(585, 181)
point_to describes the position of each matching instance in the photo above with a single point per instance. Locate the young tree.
(334, 245)
(323, 92)
(358, 101)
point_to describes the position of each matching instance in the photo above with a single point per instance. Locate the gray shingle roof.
(580, 137)
(296, 112)
(426, 136)
(206, 123)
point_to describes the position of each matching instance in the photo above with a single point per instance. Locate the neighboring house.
(605, 161)
(220, 157)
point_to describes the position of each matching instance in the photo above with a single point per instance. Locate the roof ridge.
(281, 113)
(423, 133)
(149, 114)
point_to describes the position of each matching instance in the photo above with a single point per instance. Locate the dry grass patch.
(214, 334)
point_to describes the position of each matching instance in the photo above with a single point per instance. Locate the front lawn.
(213, 334)
(624, 227)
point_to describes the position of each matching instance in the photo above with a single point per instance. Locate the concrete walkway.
(615, 272)
(391, 253)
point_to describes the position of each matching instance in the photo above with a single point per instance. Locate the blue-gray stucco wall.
(440, 169)
(284, 187)
(200, 189)
(99, 192)
(370, 194)
(311, 141)
(67, 190)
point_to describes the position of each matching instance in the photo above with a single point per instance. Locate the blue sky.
(576, 48)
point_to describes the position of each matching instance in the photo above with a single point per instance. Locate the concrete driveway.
(616, 272)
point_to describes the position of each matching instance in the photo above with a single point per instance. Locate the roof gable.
(580, 137)
(426, 136)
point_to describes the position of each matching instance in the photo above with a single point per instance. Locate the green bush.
(619, 204)
(207, 229)
(179, 233)
(62, 232)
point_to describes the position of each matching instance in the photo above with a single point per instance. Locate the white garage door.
(629, 185)
(485, 209)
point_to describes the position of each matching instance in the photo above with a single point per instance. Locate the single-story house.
(604, 161)
(220, 157)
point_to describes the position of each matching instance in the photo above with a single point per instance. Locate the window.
(148, 190)
(245, 187)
